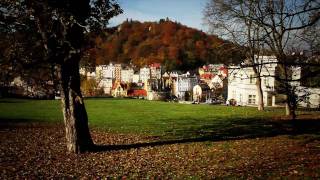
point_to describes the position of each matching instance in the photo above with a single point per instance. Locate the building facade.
(127, 75)
(185, 84)
(242, 83)
(117, 72)
(144, 74)
(105, 71)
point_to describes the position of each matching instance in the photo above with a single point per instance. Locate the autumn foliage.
(173, 45)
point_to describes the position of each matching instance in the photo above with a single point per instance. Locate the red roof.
(206, 76)
(155, 65)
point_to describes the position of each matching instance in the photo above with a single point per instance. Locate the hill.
(173, 45)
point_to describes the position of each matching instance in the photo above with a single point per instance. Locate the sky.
(187, 12)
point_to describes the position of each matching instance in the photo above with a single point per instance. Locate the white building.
(242, 83)
(127, 75)
(144, 74)
(117, 72)
(106, 84)
(105, 71)
(135, 78)
(185, 84)
(155, 71)
(104, 77)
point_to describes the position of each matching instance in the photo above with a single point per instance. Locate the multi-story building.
(127, 75)
(136, 77)
(144, 74)
(105, 71)
(106, 84)
(117, 72)
(155, 71)
(242, 87)
(184, 86)
(105, 75)
(242, 83)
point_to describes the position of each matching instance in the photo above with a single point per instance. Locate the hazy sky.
(187, 12)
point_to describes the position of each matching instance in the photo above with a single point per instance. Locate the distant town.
(212, 84)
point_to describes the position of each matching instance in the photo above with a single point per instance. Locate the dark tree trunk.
(291, 107)
(75, 116)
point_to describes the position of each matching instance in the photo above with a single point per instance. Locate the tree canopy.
(53, 33)
(170, 43)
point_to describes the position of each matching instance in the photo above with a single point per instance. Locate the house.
(168, 81)
(136, 78)
(119, 89)
(214, 75)
(201, 92)
(127, 75)
(219, 87)
(105, 71)
(213, 69)
(242, 83)
(144, 74)
(117, 72)
(155, 71)
(106, 84)
(105, 75)
(216, 82)
(155, 76)
(185, 84)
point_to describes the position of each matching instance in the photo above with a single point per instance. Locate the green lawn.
(149, 117)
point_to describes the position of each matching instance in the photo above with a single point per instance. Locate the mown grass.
(149, 117)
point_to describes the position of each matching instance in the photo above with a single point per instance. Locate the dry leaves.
(38, 151)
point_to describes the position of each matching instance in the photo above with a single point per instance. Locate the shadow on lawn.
(235, 130)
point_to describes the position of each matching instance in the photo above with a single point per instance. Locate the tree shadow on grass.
(233, 130)
(10, 101)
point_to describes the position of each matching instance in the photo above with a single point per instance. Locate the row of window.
(252, 80)
(251, 98)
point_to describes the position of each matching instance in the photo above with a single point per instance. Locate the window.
(252, 99)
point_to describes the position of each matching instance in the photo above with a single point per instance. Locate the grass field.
(148, 117)
(147, 139)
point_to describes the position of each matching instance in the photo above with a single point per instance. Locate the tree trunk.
(259, 88)
(74, 113)
(291, 107)
(287, 109)
(260, 94)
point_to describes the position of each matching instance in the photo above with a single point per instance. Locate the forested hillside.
(173, 45)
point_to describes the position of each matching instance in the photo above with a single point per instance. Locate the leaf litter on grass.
(39, 152)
